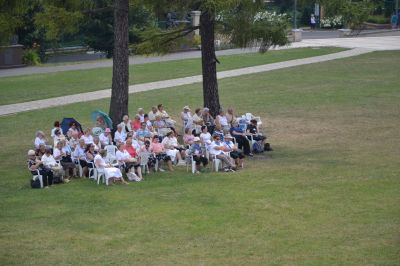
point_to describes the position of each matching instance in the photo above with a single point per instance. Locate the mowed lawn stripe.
(43, 86)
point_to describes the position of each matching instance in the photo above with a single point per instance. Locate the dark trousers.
(47, 175)
(200, 159)
(243, 144)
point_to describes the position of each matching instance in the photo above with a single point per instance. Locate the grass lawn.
(40, 86)
(328, 195)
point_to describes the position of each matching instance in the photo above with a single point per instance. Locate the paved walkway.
(375, 43)
(96, 95)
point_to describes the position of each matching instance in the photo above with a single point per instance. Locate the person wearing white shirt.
(56, 127)
(49, 162)
(131, 164)
(218, 149)
(40, 139)
(152, 114)
(119, 136)
(141, 114)
(173, 149)
(87, 136)
(126, 124)
(205, 136)
(110, 172)
(105, 138)
(79, 154)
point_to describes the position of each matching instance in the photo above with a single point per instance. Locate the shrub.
(378, 19)
(31, 57)
(332, 22)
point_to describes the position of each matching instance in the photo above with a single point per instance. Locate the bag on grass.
(35, 183)
(258, 147)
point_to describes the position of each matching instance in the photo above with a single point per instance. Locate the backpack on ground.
(258, 147)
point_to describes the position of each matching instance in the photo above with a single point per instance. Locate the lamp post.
(295, 15)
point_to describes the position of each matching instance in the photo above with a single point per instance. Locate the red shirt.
(131, 150)
(135, 124)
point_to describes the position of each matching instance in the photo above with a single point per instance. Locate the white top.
(104, 140)
(87, 139)
(141, 117)
(168, 142)
(119, 137)
(212, 147)
(48, 160)
(122, 156)
(222, 120)
(126, 125)
(57, 153)
(52, 133)
(99, 161)
(152, 116)
(205, 138)
(79, 153)
(39, 141)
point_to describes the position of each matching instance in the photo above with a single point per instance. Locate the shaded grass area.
(41, 86)
(328, 194)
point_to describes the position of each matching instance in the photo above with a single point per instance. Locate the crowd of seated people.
(155, 133)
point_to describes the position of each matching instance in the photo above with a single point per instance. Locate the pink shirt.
(157, 147)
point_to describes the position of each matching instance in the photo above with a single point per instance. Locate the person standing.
(312, 22)
(394, 21)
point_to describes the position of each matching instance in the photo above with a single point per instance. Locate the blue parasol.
(107, 120)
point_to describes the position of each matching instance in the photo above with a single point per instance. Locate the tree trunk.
(208, 61)
(119, 89)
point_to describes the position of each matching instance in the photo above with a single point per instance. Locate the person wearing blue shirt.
(198, 155)
(239, 134)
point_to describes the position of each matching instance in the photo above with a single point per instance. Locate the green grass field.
(328, 195)
(40, 86)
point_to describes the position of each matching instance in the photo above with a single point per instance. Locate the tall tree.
(213, 13)
(119, 89)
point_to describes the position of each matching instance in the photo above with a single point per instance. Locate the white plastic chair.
(216, 162)
(37, 176)
(111, 157)
(190, 161)
(144, 159)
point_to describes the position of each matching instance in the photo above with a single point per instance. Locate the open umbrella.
(66, 122)
(100, 114)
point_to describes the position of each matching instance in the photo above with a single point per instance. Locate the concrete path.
(376, 43)
(96, 95)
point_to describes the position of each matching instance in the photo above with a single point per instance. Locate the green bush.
(31, 57)
(378, 19)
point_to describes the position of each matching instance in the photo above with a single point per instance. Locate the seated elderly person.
(152, 114)
(129, 163)
(135, 124)
(50, 163)
(252, 129)
(238, 133)
(142, 133)
(110, 172)
(119, 135)
(41, 150)
(72, 130)
(87, 136)
(173, 149)
(80, 155)
(35, 164)
(233, 150)
(126, 124)
(197, 122)
(165, 116)
(160, 126)
(141, 114)
(218, 149)
(186, 117)
(198, 154)
(106, 138)
(40, 139)
(222, 121)
(230, 116)
(62, 155)
(208, 120)
(56, 127)
(188, 137)
(160, 152)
